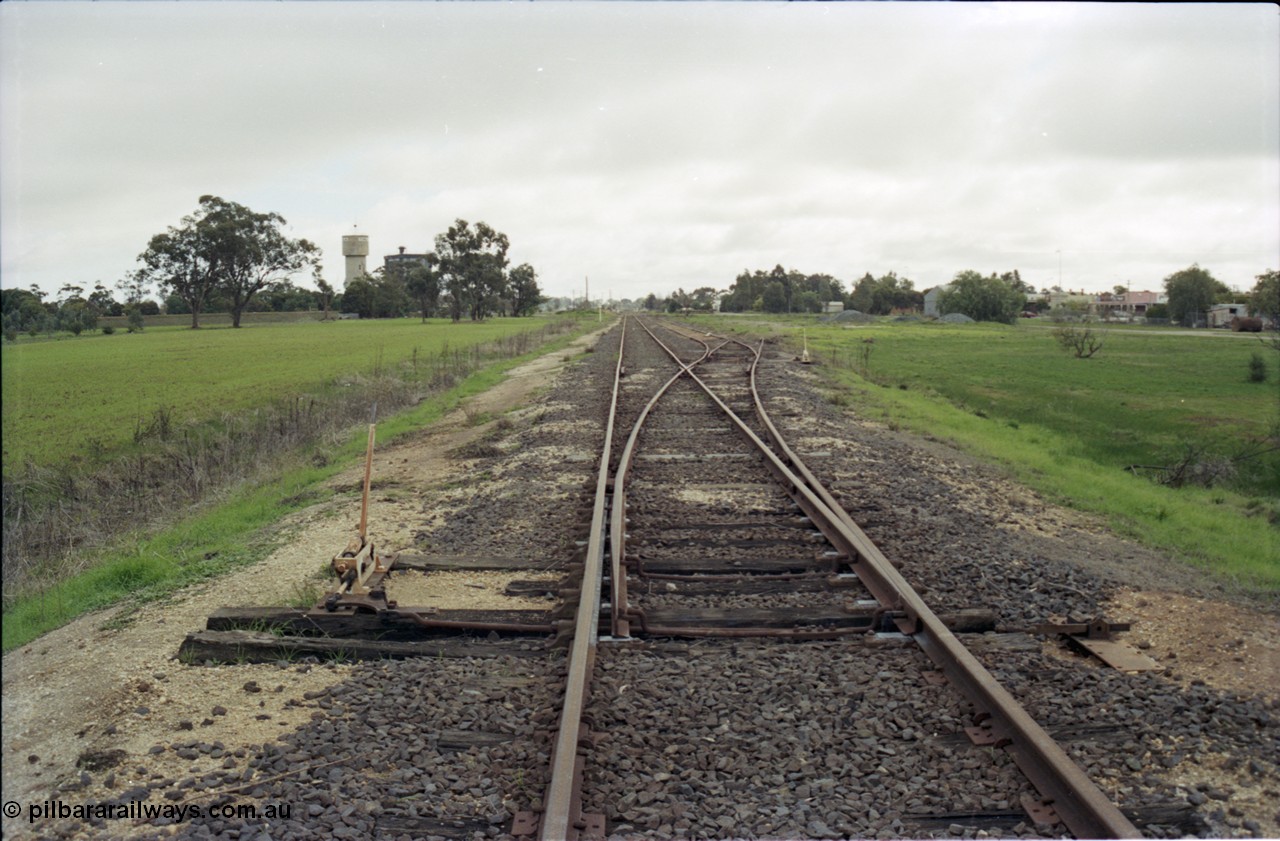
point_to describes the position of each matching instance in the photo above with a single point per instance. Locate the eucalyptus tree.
(224, 247)
(1191, 292)
(1264, 299)
(423, 283)
(983, 298)
(472, 264)
(325, 293)
(522, 286)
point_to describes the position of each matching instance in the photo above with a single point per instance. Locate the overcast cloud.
(655, 145)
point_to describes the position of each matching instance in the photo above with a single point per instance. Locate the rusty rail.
(562, 816)
(617, 522)
(1085, 810)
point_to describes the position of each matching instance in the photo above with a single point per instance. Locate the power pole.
(586, 289)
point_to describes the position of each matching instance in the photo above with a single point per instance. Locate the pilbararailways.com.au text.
(139, 811)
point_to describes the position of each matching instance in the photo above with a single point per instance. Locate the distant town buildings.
(355, 248)
(1127, 304)
(1060, 298)
(402, 263)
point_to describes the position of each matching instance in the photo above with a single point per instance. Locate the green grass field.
(1069, 427)
(1141, 400)
(238, 529)
(82, 398)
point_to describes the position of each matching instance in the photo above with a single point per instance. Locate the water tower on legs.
(355, 247)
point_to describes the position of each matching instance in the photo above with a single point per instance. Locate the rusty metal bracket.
(525, 824)
(1096, 637)
(1040, 811)
(591, 826)
(1097, 628)
(986, 735)
(373, 602)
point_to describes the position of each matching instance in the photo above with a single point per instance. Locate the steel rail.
(1077, 801)
(562, 806)
(617, 522)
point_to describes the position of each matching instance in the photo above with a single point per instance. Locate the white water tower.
(355, 247)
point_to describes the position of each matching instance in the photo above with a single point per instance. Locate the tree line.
(71, 310)
(27, 311)
(226, 258)
(781, 290)
(994, 297)
(466, 276)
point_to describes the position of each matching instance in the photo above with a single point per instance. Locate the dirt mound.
(849, 315)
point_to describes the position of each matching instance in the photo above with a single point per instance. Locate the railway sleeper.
(262, 647)
(1179, 815)
(736, 566)
(855, 617)
(395, 624)
(811, 537)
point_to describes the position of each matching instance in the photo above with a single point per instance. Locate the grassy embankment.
(84, 398)
(1069, 427)
(110, 383)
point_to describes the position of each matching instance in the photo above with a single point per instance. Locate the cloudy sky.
(651, 146)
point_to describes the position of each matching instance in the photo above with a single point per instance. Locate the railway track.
(705, 502)
(731, 656)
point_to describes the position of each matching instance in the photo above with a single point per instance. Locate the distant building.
(355, 247)
(1126, 305)
(402, 263)
(1220, 315)
(1082, 300)
(833, 306)
(931, 300)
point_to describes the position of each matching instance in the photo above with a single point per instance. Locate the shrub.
(107, 329)
(1080, 339)
(1257, 368)
(1246, 325)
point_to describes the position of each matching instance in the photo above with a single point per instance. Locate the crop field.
(84, 398)
(1070, 427)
